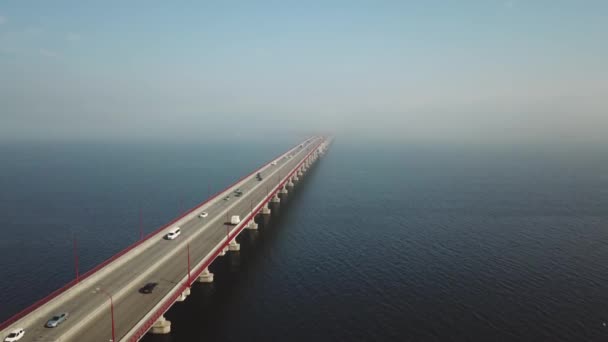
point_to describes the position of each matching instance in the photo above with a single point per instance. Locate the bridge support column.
(300, 174)
(290, 182)
(161, 326)
(296, 178)
(265, 209)
(184, 295)
(234, 246)
(252, 225)
(275, 199)
(283, 191)
(206, 276)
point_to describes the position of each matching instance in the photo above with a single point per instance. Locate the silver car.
(56, 320)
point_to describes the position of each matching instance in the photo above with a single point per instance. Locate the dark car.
(148, 288)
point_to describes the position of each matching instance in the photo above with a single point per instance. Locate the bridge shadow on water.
(206, 313)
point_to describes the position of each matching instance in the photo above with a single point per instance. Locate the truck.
(235, 219)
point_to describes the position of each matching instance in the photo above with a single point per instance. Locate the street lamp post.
(75, 246)
(99, 290)
(227, 228)
(141, 226)
(189, 264)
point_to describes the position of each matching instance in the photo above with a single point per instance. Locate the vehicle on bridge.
(56, 320)
(203, 214)
(235, 219)
(259, 176)
(148, 288)
(173, 233)
(15, 335)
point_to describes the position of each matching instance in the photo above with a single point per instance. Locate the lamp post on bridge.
(100, 290)
(227, 228)
(141, 226)
(189, 278)
(75, 246)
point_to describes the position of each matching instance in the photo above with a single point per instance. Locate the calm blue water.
(421, 243)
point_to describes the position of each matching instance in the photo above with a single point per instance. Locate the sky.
(414, 71)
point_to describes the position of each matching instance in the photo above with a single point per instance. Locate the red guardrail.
(87, 274)
(169, 301)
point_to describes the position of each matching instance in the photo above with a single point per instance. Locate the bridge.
(107, 304)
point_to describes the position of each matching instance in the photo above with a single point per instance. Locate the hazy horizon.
(459, 72)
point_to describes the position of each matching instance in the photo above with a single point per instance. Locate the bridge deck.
(162, 261)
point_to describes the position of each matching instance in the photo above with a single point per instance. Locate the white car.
(173, 233)
(203, 214)
(274, 162)
(235, 219)
(15, 335)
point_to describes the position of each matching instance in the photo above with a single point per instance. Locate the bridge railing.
(139, 333)
(116, 256)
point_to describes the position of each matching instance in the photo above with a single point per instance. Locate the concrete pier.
(206, 276)
(161, 326)
(275, 199)
(184, 295)
(265, 210)
(283, 191)
(290, 182)
(252, 225)
(234, 246)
